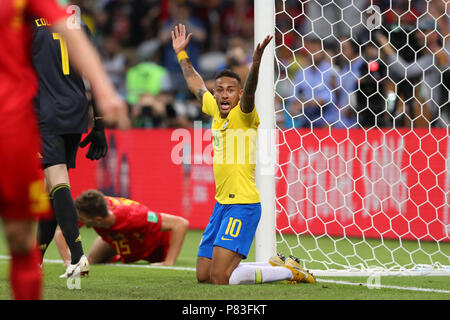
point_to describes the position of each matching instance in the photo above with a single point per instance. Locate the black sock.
(67, 217)
(46, 231)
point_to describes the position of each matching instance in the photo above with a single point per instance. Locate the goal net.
(362, 171)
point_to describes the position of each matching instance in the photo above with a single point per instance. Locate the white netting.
(362, 108)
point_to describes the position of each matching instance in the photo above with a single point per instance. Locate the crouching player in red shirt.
(128, 231)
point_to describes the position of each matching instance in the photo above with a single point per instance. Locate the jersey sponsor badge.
(152, 217)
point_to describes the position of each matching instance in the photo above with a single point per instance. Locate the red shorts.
(22, 191)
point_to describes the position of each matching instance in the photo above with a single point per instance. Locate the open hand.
(257, 54)
(179, 39)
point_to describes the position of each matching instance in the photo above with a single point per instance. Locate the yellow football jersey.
(234, 141)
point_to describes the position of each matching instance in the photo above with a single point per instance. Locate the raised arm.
(194, 81)
(248, 96)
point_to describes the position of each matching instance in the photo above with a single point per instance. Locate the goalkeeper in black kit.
(63, 111)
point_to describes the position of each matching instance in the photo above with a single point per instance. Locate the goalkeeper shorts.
(231, 226)
(60, 149)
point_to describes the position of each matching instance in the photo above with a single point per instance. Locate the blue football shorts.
(231, 226)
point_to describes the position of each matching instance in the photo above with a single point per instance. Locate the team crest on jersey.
(152, 217)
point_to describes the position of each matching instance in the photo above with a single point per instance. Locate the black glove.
(98, 146)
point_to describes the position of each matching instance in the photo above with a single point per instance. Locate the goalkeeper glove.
(98, 147)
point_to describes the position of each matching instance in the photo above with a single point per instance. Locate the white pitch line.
(349, 283)
(128, 265)
(382, 286)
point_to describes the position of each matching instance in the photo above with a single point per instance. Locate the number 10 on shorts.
(234, 227)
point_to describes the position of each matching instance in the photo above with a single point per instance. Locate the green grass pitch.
(140, 282)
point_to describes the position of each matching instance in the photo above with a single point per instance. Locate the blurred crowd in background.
(342, 63)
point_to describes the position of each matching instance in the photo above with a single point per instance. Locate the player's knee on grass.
(220, 274)
(223, 263)
(202, 277)
(203, 270)
(219, 277)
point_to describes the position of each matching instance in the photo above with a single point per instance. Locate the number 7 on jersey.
(64, 53)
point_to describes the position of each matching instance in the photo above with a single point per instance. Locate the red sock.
(25, 275)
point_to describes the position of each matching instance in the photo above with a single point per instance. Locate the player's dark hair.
(92, 203)
(230, 74)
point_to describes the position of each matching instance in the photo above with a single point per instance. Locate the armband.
(182, 55)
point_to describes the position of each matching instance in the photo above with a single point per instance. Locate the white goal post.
(265, 240)
(353, 147)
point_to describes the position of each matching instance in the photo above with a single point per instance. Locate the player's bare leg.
(203, 270)
(19, 235)
(56, 174)
(224, 262)
(100, 252)
(25, 271)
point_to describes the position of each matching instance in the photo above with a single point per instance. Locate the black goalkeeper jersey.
(61, 102)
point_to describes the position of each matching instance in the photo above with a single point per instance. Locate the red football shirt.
(18, 83)
(136, 232)
(21, 185)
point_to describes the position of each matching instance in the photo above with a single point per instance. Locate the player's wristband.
(182, 55)
(99, 123)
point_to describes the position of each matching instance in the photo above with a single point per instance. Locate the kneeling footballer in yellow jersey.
(232, 225)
